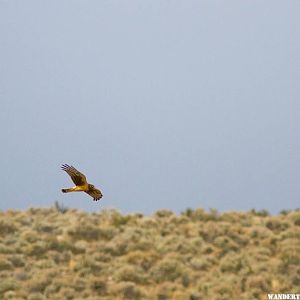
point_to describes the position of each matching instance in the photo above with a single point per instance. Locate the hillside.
(57, 254)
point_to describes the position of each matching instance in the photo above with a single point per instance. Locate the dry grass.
(68, 254)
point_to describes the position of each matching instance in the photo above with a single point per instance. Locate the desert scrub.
(67, 293)
(7, 285)
(38, 283)
(141, 243)
(258, 233)
(7, 227)
(79, 247)
(5, 264)
(117, 219)
(17, 261)
(99, 287)
(168, 229)
(129, 290)
(30, 236)
(86, 265)
(200, 264)
(168, 269)
(177, 243)
(22, 275)
(86, 232)
(62, 258)
(80, 255)
(36, 296)
(231, 263)
(23, 220)
(131, 273)
(165, 290)
(4, 249)
(257, 258)
(10, 295)
(80, 284)
(260, 213)
(208, 249)
(293, 233)
(131, 237)
(116, 248)
(143, 259)
(46, 228)
(147, 223)
(258, 284)
(58, 245)
(106, 233)
(276, 225)
(210, 230)
(237, 218)
(290, 252)
(238, 236)
(102, 257)
(200, 214)
(294, 217)
(37, 249)
(226, 244)
(163, 213)
(51, 290)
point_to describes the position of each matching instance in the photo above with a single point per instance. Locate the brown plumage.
(81, 184)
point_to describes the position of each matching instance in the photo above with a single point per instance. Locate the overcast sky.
(162, 104)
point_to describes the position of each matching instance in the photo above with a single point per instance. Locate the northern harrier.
(81, 183)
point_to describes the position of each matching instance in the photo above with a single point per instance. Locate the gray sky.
(163, 104)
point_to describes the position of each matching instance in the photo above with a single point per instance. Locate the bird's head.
(91, 186)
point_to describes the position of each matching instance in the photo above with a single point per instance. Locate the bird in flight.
(81, 184)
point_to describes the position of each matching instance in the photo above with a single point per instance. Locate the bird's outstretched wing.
(77, 177)
(95, 193)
